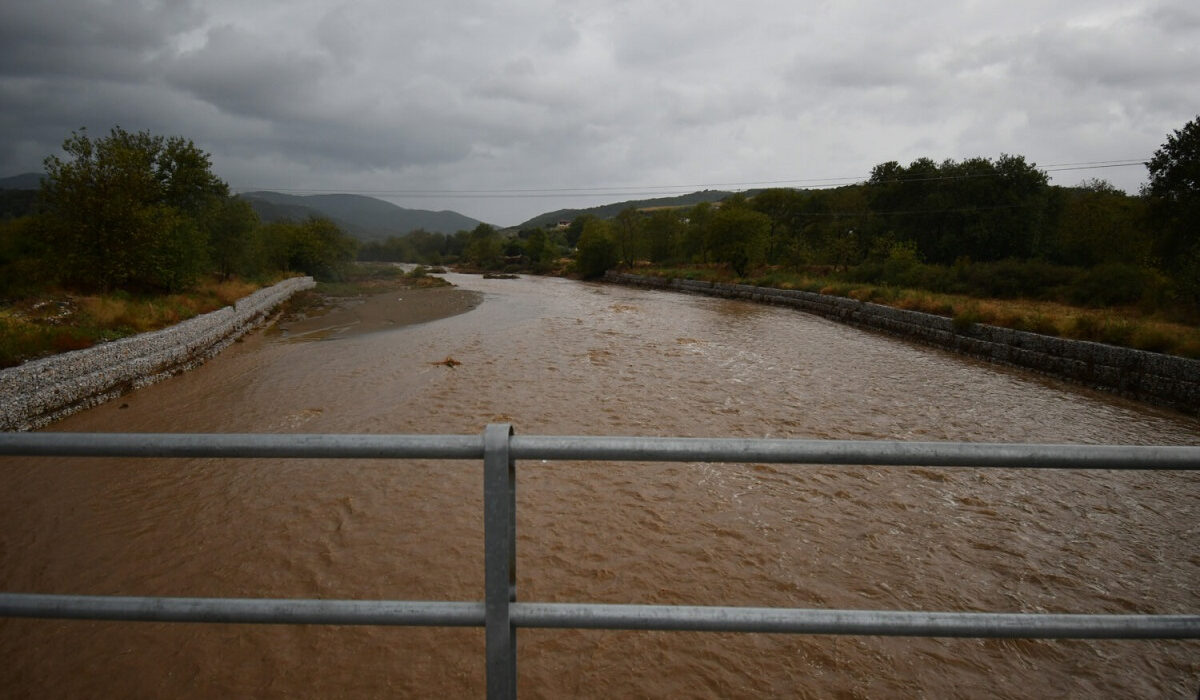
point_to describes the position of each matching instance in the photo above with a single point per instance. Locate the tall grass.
(1134, 325)
(57, 322)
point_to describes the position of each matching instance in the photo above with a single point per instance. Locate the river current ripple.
(553, 356)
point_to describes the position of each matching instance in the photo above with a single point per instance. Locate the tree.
(538, 247)
(22, 256)
(575, 230)
(664, 235)
(231, 225)
(783, 206)
(976, 208)
(738, 236)
(596, 252)
(483, 247)
(122, 211)
(315, 247)
(695, 238)
(1097, 223)
(627, 232)
(1174, 193)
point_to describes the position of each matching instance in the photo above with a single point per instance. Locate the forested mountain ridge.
(24, 181)
(608, 211)
(366, 218)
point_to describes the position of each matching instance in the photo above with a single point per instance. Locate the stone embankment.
(1153, 377)
(42, 391)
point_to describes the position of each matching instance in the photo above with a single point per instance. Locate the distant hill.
(607, 211)
(24, 181)
(18, 194)
(366, 218)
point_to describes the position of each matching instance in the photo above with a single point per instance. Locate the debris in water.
(449, 362)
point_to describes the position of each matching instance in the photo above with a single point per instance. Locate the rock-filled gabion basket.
(39, 392)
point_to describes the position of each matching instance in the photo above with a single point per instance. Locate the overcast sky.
(506, 110)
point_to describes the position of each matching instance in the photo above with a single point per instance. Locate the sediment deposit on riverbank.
(379, 312)
(42, 391)
(1148, 376)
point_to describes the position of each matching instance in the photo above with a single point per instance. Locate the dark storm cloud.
(380, 96)
(118, 39)
(248, 75)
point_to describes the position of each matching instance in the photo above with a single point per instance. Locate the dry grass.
(58, 321)
(1126, 326)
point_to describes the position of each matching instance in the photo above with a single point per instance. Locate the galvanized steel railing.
(500, 614)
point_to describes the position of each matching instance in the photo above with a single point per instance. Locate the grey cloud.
(1175, 19)
(74, 37)
(247, 75)
(376, 95)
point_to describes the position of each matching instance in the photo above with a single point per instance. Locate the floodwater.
(553, 356)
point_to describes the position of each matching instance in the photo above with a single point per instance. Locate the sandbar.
(347, 317)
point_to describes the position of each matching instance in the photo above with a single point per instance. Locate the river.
(554, 356)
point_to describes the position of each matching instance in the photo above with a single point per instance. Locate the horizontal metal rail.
(690, 618)
(609, 449)
(252, 445)
(501, 614)
(288, 611)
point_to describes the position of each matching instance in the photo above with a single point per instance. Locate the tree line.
(482, 248)
(144, 213)
(982, 226)
(979, 226)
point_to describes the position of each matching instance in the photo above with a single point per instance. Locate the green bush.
(597, 252)
(1112, 284)
(965, 319)
(1011, 279)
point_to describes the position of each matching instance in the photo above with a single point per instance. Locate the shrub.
(1113, 283)
(1010, 279)
(1086, 327)
(597, 252)
(1152, 339)
(965, 318)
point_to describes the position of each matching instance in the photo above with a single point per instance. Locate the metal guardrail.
(501, 614)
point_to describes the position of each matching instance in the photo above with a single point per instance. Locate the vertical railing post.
(500, 559)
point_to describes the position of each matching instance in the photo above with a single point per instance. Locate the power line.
(667, 190)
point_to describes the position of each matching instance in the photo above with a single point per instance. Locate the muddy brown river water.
(553, 356)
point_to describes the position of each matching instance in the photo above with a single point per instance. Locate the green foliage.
(484, 248)
(393, 249)
(1009, 279)
(1175, 180)
(121, 211)
(231, 226)
(541, 248)
(23, 266)
(738, 236)
(1114, 283)
(17, 203)
(575, 230)
(785, 209)
(1099, 224)
(979, 208)
(627, 234)
(596, 252)
(664, 231)
(314, 247)
(1174, 193)
(696, 238)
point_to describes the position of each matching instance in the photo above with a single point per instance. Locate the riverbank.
(1147, 376)
(42, 391)
(339, 317)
